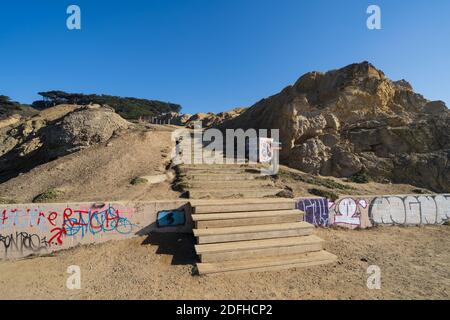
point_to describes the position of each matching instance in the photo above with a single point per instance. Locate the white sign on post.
(265, 150)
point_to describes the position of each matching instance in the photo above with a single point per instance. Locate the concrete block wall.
(368, 211)
(44, 228)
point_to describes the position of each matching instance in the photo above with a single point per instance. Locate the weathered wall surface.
(43, 228)
(367, 211)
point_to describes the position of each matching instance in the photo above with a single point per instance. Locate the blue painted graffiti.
(171, 218)
(95, 221)
(316, 211)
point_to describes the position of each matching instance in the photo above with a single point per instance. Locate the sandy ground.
(414, 262)
(101, 172)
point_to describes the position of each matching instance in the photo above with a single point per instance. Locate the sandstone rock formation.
(84, 127)
(212, 120)
(352, 119)
(208, 120)
(174, 118)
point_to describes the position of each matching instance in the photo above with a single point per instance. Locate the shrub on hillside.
(324, 194)
(360, 177)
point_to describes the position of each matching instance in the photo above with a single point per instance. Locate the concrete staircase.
(200, 180)
(250, 226)
(221, 181)
(254, 235)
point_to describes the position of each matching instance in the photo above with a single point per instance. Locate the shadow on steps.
(179, 245)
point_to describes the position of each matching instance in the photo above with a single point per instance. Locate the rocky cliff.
(208, 120)
(352, 120)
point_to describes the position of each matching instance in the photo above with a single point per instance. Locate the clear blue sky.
(212, 55)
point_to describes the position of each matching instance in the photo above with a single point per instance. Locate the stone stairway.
(200, 180)
(254, 235)
(250, 226)
(225, 182)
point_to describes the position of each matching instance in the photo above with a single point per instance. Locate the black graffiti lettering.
(23, 242)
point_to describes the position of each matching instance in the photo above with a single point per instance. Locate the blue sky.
(213, 55)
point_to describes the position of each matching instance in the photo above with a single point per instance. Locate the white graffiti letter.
(74, 20)
(74, 281)
(374, 21)
(374, 280)
(413, 210)
(388, 210)
(428, 210)
(443, 208)
(347, 212)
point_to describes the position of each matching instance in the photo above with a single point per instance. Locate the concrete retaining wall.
(367, 211)
(44, 228)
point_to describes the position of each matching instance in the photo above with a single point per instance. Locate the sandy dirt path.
(415, 263)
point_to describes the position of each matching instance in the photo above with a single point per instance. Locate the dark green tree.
(127, 107)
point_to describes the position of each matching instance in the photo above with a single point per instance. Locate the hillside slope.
(82, 153)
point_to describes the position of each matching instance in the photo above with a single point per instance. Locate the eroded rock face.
(83, 128)
(343, 121)
(212, 119)
(174, 118)
(208, 120)
(55, 132)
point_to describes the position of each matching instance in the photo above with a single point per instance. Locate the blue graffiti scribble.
(95, 222)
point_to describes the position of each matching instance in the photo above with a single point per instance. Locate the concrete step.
(242, 233)
(247, 221)
(245, 250)
(218, 185)
(235, 219)
(189, 148)
(221, 176)
(238, 205)
(220, 166)
(198, 154)
(268, 264)
(234, 193)
(201, 161)
(214, 161)
(212, 170)
(226, 166)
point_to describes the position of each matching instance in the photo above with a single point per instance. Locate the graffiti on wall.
(171, 218)
(349, 212)
(316, 211)
(21, 242)
(365, 212)
(410, 210)
(45, 229)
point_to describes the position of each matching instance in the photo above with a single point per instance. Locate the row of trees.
(130, 108)
(9, 107)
